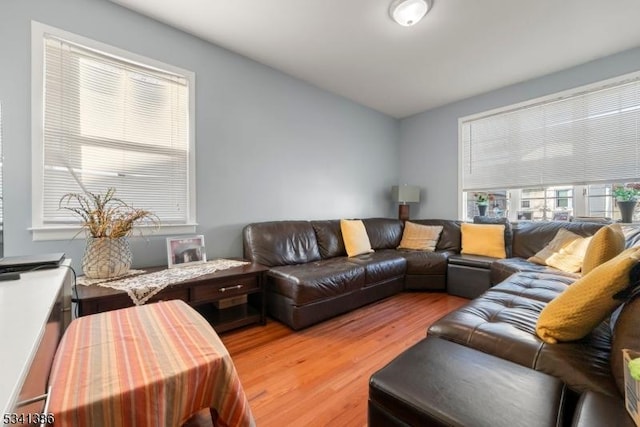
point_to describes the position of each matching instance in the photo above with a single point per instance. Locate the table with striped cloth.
(151, 365)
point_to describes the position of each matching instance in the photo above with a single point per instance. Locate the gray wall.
(429, 141)
(269, 146)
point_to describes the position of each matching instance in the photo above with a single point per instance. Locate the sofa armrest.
(597, 409)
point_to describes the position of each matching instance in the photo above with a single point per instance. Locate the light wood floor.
(319, 376)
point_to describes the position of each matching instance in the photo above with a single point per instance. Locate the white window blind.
(114, 123)
(591, 135)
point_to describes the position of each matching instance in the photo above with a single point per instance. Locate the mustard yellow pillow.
(587, 302)
(355, 237)
(607, 243)
(565, 252)
(420, 237)
(483, 239)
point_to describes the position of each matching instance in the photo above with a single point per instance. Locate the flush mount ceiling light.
(409, 12)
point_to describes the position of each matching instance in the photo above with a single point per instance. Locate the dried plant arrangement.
(106, 215)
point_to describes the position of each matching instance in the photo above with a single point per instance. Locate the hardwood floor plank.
(320, 376)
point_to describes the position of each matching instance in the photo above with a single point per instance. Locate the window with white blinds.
(109, 121)
(588, 135)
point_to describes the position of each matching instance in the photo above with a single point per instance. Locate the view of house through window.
(559, 203)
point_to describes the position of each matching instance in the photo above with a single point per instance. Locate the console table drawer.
(169, 294)
(217, 290)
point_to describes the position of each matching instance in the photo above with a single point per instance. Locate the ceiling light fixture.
(409, 12)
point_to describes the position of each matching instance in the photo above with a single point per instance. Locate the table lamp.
(405, 194)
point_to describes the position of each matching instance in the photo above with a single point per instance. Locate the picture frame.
(185, 250)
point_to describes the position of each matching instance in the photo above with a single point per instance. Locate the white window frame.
(462, 200)
(60, 232)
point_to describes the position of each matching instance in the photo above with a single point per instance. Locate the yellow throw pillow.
(483, 239)
(565, 252)
(355, 237)
(607, 243)
(420, 237)
(587, 302)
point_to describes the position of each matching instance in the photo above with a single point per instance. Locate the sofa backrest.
(280, 243)
(329, 238)
(626, 333)
(631, 235)
(450, 238)
(384, 233)
(530, 237)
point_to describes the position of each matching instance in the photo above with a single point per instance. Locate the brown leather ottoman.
(468, 276)
(440, 383)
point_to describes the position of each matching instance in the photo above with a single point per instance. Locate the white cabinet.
(34, 311)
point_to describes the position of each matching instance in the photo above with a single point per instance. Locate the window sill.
(68, 232)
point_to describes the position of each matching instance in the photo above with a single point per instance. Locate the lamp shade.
(405, 193)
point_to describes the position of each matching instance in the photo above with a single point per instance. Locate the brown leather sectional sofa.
(311, 278)
(484, 364)
(480, 365)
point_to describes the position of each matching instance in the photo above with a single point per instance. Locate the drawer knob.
(231, 288)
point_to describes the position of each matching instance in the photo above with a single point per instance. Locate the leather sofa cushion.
(436, 382)
(317, 280)
(329, 238)
(384, 233)
(280, 243)
(541, 286)
(583, 365)
(450, 238)
(425, 263)
(501, 269)
(597, 410)
(380, 266)
(502, 322)
(530, 237)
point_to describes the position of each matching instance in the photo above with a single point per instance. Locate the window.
(111, 119)
(556, 156)
(560, 203)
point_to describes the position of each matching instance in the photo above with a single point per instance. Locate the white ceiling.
(461, 48)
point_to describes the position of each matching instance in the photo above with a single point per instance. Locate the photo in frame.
(185, 250)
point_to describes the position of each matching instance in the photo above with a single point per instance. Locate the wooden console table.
(201, 293)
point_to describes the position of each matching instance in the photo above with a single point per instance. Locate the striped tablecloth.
(152, 365)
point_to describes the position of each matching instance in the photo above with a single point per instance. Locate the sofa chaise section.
(502, 322)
